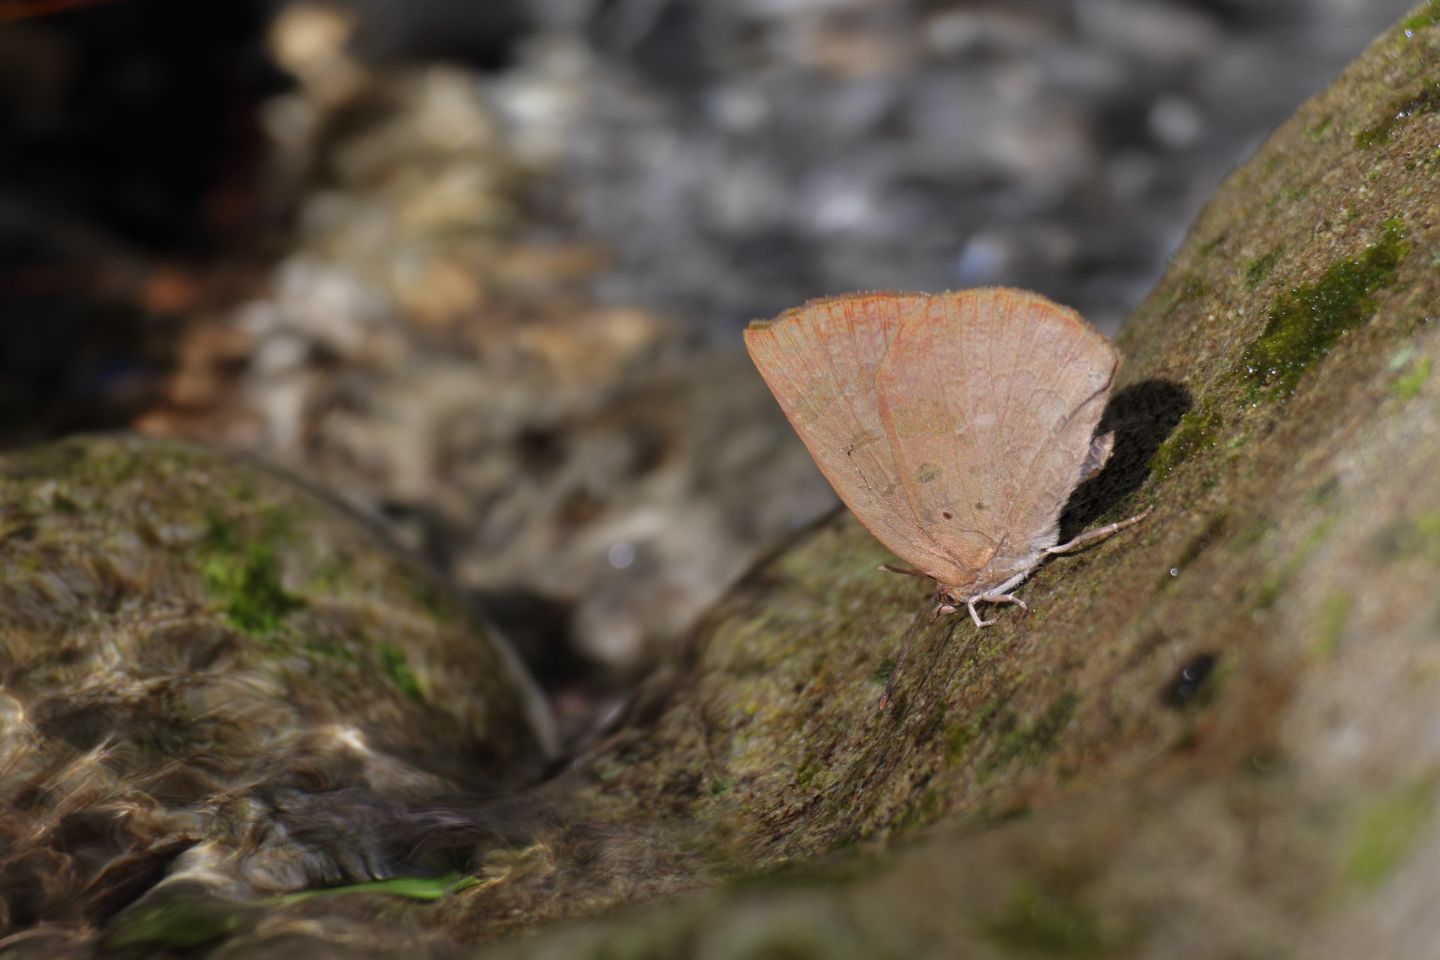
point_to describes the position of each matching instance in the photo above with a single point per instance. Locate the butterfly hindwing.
(820, 360)
(953, 426)
(990, 398)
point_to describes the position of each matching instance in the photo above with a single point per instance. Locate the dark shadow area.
(1142, 416)
(129, 155)
(1189, 684)
(136, 122)
(538, 627)
(479, 35)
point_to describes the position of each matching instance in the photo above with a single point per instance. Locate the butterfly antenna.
(910, 632)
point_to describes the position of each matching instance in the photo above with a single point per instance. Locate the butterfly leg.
(1099, 533)
(1005, 598)
(1000, 594)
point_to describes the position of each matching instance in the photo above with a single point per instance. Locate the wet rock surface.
(1226, 713)
(217, 682)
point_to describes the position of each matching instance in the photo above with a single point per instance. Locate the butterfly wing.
(989, 398)
(821, 360)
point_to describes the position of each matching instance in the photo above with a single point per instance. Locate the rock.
(217, 682)
(1213, 736)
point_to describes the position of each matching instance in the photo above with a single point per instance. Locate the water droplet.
(621, 555)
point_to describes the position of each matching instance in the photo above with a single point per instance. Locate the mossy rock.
(1209, 737)
(214, 678)
(1212, 737)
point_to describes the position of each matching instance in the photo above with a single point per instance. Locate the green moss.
(1323, 492)
(181, 923)
(1259, 268)
(884, 670)
(810, 766)
(1430, 162)
(1190, 287)
(1035, 922)
(1426, 100)
(1277, 580)
(1331, 629)
(329, 577)
(926, 809)
(244, 580)
(1195, 432)
(1386, 831)
(1427, 17)
(1308, 320)
(334, 652)
(1252, 533)
(433, 597)
(1416, 536)
(1410, 383)
(1029, 742)
(1212, 245)
(959, 736)
(1289, 195)
(411, 888)
(394, 665)
(1427, 532)
(1316, 132)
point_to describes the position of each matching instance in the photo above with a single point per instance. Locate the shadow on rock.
(1142, 416)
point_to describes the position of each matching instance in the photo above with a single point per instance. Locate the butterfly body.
(954, 426)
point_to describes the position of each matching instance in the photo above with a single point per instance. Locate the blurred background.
(479, 269)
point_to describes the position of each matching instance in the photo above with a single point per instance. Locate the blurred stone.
(480, 35)
(1131, 174)
(311, 43)
(1176, 122)
(433, 356)
(800, 159)
(961, 31)
(1159, 31)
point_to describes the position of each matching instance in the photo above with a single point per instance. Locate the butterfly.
(954, 426)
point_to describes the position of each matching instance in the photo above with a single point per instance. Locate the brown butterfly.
(954, 426)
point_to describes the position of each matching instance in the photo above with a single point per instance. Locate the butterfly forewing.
(990, 398)
(821, 360)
